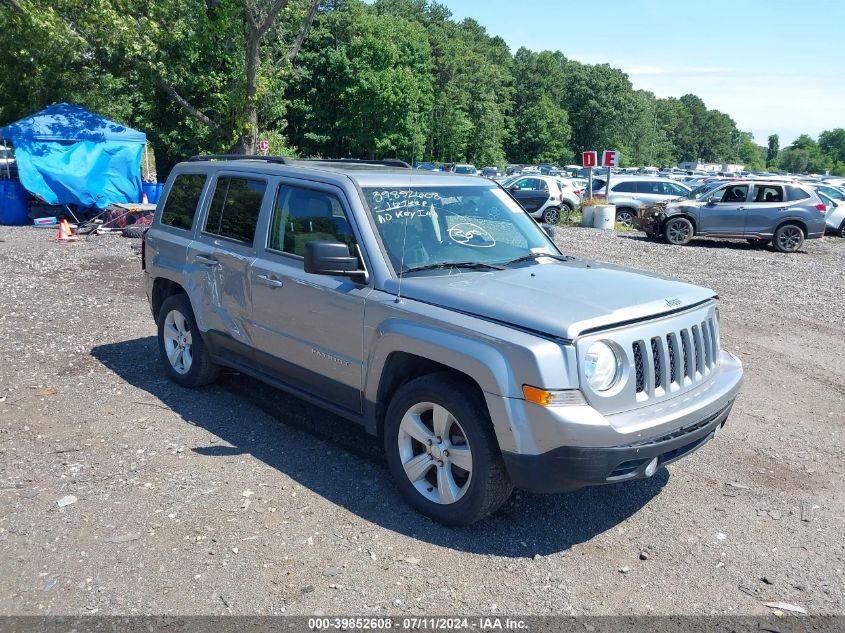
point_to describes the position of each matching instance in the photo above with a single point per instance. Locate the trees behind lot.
(394, 78)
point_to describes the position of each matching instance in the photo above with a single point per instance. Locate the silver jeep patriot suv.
(433, 310)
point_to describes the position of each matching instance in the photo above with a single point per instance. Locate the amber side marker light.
(557, 398)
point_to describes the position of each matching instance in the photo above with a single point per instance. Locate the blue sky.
(772, 65)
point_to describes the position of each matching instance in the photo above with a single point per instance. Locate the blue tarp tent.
(68, 155)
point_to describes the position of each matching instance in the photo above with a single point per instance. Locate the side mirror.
(330, 258)
(549, 229)
(711, 202)
(514, 188)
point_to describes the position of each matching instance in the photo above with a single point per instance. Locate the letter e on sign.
(589, 159)
(610, 158)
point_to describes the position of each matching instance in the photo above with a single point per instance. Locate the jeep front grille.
(676, 359)
(639, 367)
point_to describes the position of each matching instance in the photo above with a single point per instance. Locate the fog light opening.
(651, 468)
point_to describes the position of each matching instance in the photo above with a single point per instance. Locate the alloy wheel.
(789, 238)
(678, 232)
(551, 216)
(435, 453)
(625, 218)
(178, 342)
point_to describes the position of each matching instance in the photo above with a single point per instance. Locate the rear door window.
(182, 201)
(768, 193)
(233, 212)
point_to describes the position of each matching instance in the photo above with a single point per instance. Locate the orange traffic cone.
(65, 233)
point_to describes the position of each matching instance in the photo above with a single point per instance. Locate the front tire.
(678, 231)
(442, 451)
(625, 217)
(183, 352)
(788, 238)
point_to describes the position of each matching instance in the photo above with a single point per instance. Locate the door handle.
(208, 260)
(740, 208)
(269, 280)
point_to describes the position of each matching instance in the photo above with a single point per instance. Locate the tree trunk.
(247, 141)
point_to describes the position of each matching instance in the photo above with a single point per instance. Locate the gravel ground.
(237, 498)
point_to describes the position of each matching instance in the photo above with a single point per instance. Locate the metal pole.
(590, 182)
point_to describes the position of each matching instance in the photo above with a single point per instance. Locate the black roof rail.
(385, 162)
(281, 160)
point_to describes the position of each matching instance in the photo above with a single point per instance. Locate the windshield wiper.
(532, 256)
(446, 265)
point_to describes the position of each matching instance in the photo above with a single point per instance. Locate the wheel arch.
(406, 351)
(162, 289)
(795, 221)
(686, 216)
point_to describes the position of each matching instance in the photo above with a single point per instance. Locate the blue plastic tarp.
(87, 174)
(68, 155)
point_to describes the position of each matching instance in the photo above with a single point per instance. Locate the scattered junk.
(129, 220)
(70, 163)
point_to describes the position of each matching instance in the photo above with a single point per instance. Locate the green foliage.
(392, 78)
(772, 151)
(805, 156)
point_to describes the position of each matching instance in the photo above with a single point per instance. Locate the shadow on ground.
(714, 244)
(299, 440)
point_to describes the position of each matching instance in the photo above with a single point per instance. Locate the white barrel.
(587, 214)
(605, 217)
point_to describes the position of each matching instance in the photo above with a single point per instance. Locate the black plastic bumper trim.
(572, 467)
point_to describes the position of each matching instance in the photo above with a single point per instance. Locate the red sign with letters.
(610, 158)
(263, 146)
(589, 159)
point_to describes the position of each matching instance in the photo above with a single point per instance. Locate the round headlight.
(601, 366)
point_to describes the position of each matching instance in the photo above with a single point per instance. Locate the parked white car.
(544, 197)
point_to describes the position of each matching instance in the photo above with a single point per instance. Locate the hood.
(563, 299)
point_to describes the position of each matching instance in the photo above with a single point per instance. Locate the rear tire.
(184, 354)
(442, 451)
(551, 216)
(841, 231)
(678, 231)
(788, 238)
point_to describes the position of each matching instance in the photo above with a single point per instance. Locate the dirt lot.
(239, 499)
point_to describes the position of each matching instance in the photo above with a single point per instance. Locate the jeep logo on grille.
(673, 302)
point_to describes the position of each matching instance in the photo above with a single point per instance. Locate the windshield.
(425, 226)
(464, 169)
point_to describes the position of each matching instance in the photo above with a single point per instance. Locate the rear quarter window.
(182, 201)
(796, 193)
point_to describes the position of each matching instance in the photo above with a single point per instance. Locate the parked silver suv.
(434, 311)
(759, 211)
(632, 193)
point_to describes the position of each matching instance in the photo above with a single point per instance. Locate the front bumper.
(554, 449)
(573, 467)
